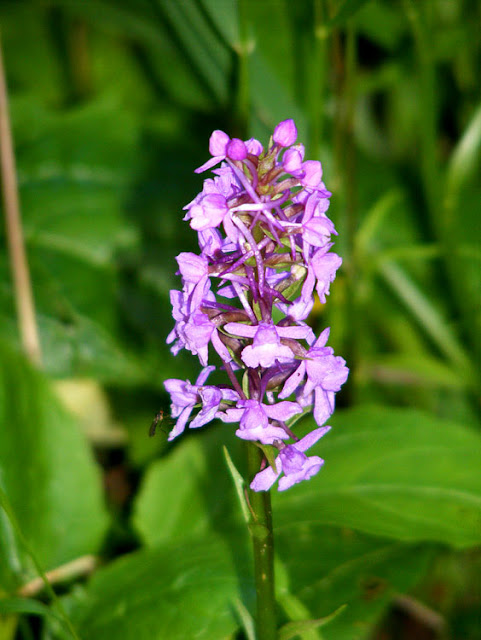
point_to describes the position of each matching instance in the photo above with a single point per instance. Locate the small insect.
(159, 418)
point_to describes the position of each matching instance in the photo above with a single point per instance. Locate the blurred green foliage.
(112, 103)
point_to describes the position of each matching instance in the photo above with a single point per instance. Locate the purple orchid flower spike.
(263, 233)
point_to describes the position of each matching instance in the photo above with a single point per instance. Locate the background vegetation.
(112, 103)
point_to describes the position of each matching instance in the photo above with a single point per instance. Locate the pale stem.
(16, 247)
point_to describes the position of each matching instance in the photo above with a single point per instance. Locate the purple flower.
(209, 212)
(236, 149)
(316, 226)
(285, 133)
(293, 463)
(298, 310)
(325, 373)
(292, 160)
(312, 174)
(266, 348)
(217, 148)
(198, 331)
(253, 417)
(321, 272)
(254, 147)
(185, 396)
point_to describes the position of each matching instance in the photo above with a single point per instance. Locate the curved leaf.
(397, 473)
(177, 592)
(330, 567)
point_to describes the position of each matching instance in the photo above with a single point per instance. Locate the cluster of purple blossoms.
(265, 243)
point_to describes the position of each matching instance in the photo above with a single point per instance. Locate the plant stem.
(242, 94)
(18, 259)
(317, 78)
(263, 545)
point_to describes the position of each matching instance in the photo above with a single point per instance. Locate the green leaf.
(144, 24)
(300, 627)
(47, 472)
(347, 9)
(393, 472)
(201, 44)
(194, 588)
(330, 567)
(28, 606)
(188, 590)
(381, 23)
(73, 170)
(413, 370)
(464, 160)
(240, 485)
(186, 492)
(224, 15)
(431, 318)
(374, 220)
(248, 624)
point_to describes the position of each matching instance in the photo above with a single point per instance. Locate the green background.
(112, 103)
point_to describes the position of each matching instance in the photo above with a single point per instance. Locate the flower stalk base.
(263, 547)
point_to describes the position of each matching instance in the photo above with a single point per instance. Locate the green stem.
(242, 94)
(418, 15)
(344, 312)
(316, 79)
(263, 545)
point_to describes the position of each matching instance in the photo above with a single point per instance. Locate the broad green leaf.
(330, 567)
(47, 472)
(73, 173)
(80, 347)
(73, 170)
(187, 492)
(193, 588)
(397, 473)
(188, 590)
